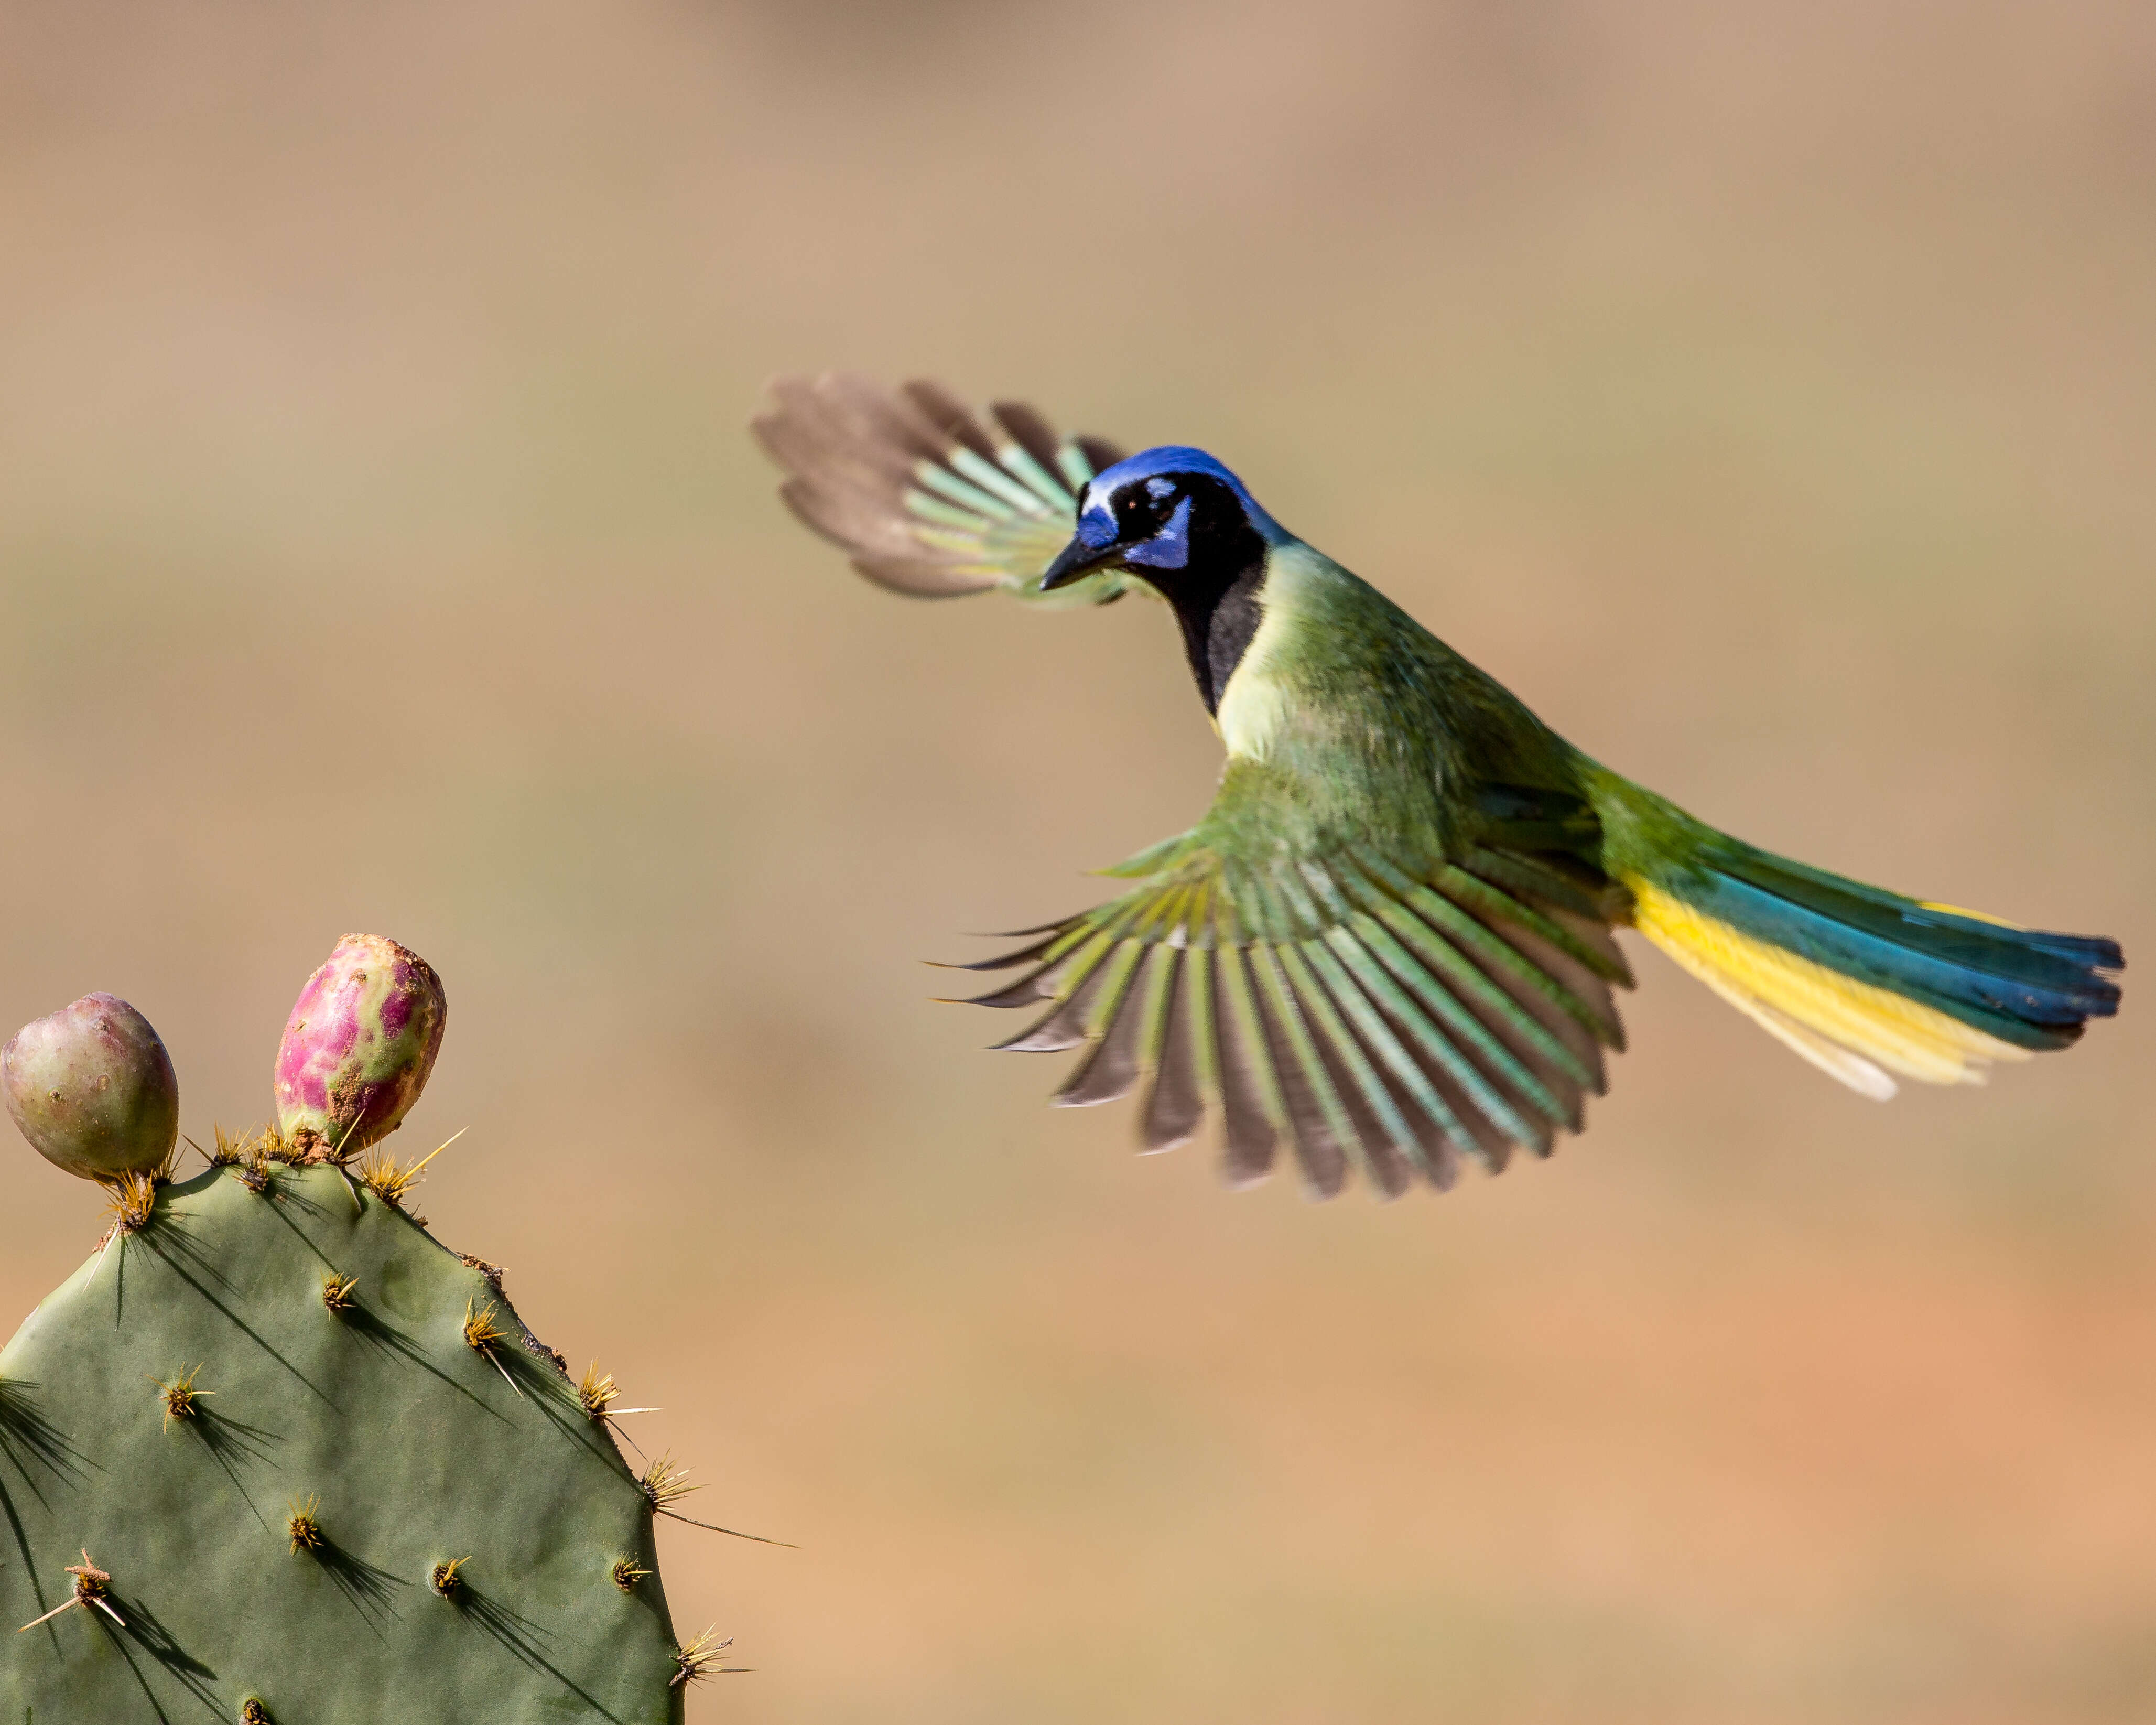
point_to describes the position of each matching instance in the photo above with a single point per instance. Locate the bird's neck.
(1218, 627)
(1216, 595)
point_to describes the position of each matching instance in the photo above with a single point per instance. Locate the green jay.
(1387, 946)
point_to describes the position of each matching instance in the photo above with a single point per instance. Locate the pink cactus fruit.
(93, 1089)
(362, 1039)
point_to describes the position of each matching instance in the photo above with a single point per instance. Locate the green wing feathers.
(930, 499)
(1353, 1011)
(1356, 1013)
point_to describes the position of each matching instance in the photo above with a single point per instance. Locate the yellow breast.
(1256, 700)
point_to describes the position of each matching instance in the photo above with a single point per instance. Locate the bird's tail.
(1866, 984)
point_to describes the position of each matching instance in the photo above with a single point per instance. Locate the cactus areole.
(93, 1089)
(360, 1041)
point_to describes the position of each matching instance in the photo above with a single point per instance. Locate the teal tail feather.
(1867, 984)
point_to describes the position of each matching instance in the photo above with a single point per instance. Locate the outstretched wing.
(929, 501)
(1367, 1011)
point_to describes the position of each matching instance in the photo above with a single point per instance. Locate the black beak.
(1075, 561)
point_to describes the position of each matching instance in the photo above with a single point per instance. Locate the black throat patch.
(1215, 594)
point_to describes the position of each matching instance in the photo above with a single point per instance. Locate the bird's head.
(1172, 516)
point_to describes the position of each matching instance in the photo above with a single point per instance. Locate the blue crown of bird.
(1388, 944)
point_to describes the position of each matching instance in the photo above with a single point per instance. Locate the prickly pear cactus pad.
(276, 1454)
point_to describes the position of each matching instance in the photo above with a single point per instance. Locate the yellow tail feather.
(1932, 904)
(1857, 1032)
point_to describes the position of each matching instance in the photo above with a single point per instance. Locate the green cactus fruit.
(93, 1089)
(278, 1449)
(360, 1041)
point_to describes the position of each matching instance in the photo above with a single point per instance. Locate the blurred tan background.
(1768, 394)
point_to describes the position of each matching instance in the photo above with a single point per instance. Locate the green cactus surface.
(253, 1458)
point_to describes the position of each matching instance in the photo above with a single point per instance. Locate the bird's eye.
(1140, 508)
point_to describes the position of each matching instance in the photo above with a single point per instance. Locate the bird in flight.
(1388, 944)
